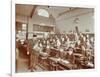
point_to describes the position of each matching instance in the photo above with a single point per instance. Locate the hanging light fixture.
(76, 20)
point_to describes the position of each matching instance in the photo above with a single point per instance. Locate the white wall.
(39, 20)
(35, 20)
(86, 22)
(22, 19)
(65, 24)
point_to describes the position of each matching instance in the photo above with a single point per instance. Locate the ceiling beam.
(33, 11)
(67, 11)
(76, 15)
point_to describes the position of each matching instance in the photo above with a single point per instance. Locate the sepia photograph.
(53, 38)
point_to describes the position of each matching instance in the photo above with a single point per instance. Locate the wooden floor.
(22, 65)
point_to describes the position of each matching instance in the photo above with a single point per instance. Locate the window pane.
(23, 26)
(42, 12)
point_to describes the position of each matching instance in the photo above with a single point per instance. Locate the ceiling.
(24, 10)
(55, 11)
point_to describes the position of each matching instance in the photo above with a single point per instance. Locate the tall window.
(21, 31)
(43, 12)
(24, 27)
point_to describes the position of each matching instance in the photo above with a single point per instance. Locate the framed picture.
(49, 38)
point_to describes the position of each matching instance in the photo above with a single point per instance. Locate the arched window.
(43, 12)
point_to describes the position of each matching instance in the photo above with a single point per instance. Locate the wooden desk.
(61, 64)
(53, 63)
(54, 59)
(65, 66)
(77, 54)
(88, 65)
(54, 53)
